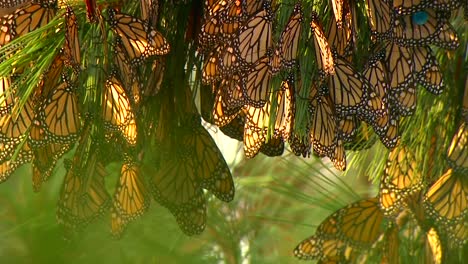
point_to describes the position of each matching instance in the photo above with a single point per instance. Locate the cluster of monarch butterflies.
(411, 197)
(407, 200)
(242, 61)
(252, 88)
(60, 115)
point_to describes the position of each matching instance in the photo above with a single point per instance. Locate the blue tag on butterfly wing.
(420, 17)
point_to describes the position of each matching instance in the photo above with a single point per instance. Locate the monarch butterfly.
(349, 91)
(51, 78)
(233, 12)
(340, 39)
(221, 114)
(338, 10)
(127, 74)
(83, 196)
(91, 10)
(196, 164)
(342, 236)
(323, 53)
(235, 129)
(257, 83)
(26, 19)
(427, 70)
(324, 131)
(347, 128)
(13, 129)
(7, 167)
(255, 128)
(150, 11)
(284, 116)
(257, 120)
(410, 7)
(232, 90)
(117, 110)
(45, 158)
(253, 40)
(385, 126)
(250, 7)
(300, 146)
(288, 45)
(210, 71)
(402, 177)
(398, 61)
(12, 3)
(139, 39)
(458, 150)
(445, 201)
(428, 27)
(381, 19)
(130, 198)
(71, 48)
(228, 62)
(404, 102)
(377, 75)
(6, 96)
(59, 116)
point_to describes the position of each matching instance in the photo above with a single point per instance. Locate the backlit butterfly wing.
(458, 150)
(6, 96)
(255, 36)
(257, 83)
(26, 19)
(192, 220)
(427, 72)
(232, 90)
(221, 114)
(196, 164)
(427, 27)
(402, 177)
(381, 19)
(337, 6)
(299, 146)
(228, 62)
(45, 157)
(324, 131)
(377, 75)
(256, 128)
(385, 126)
(446, 202)
(175, 186)
(212, 168)
(323, 54)
(7, 167)
(83, 196)
(345, 234)
(288, 45)
(349, 91)
(398, 61)
(210, 70)
(340, 39)
(131, 197)
(404, 102)
(12, 3)
(284, 116)
(59, 116)
(138, 38)
(117, 110)
(235, 129)
(13, 130)
(72, 43)
(406, 7)
(45, 154)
